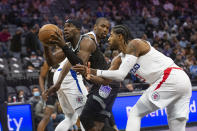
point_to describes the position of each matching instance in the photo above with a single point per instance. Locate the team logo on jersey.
(79, 99)
(104, 91)
(155, 96)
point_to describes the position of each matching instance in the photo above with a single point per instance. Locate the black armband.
(72, 57)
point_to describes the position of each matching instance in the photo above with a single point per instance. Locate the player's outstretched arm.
(131, 56)
(132, 53)
(43, 73)
(82, 69)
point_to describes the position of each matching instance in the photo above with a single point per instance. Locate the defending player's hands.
(82, 69)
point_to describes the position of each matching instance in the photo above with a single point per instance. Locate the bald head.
(101, 19)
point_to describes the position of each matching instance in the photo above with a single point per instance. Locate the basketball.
(45, 33)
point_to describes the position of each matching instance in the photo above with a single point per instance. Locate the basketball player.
(72, 93)
(45, 81)
(98, 106)
(170, 85)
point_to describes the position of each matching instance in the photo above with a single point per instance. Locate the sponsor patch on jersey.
(104, 91)
(155, 96)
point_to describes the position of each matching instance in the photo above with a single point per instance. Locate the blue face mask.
(36, 93)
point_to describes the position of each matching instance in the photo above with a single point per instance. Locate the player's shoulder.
(138, 41)
(87, 44)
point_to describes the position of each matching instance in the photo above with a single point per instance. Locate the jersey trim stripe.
(74, 75)
(166, 75)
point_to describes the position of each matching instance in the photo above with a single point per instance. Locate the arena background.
(170, 26)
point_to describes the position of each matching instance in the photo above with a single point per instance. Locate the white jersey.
(151, 66)
(69, 77)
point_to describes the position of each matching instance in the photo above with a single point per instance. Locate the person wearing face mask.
(35, 98)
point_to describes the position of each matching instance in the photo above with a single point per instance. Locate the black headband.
(74, 22)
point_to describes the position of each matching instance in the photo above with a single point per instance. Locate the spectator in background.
(81, 14)
(155, 2)
(21, 96)
(16, 43)
(35, 98)
(56, 117)
(4, 34)
(10, 99)
(32, 63)
(100, 12)
(4, 39)
(31, 40)
(168, 6)
(174, 53)
(183, 43)
(179, 60)
(3, 102)
(145, 13)
(45, 20)
(167, 50)
(193, 70)
(36, 60)
(43, 7)
(130, 87)
(4, 7)
(127, 83)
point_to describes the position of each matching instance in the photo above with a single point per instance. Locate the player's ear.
(120, 37)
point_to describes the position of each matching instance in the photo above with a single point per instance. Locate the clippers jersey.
(151, 66)
(68, 78)
(72, 75)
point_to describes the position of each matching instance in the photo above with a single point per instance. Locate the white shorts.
(174, 93)
(71, 98)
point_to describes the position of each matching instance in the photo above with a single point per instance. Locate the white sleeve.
(123, 70)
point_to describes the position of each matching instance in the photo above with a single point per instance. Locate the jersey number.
(135, 68)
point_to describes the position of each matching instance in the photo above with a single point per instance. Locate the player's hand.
(44, 96)
(57, 39)
(52, 89)
(82, 69)
(93, 78)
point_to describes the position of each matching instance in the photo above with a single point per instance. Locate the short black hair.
(75, 22)
(123, 30)
(98, 20)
